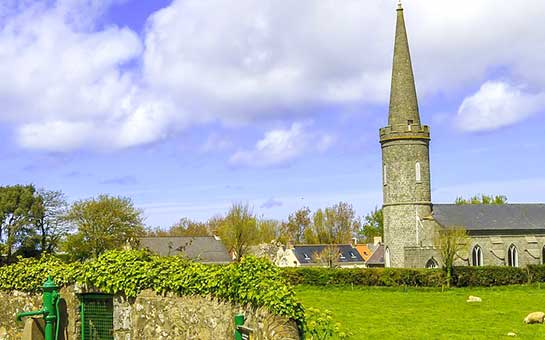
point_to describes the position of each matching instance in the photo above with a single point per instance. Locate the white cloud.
(281, 146)
(207, 60)
(497, 104)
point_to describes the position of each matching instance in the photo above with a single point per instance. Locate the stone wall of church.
(494, 251)
(529, 248)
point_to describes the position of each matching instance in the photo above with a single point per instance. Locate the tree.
(239, 230)
(298, 223)
(482, 199)
(335, 224)
(18, 209)
(103, 223)
(267, 230)
(184, 227)
(329, 256)
(373, 225)
(451, 241)
(50, 219)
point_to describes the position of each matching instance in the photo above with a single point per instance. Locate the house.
(206, 249)
(319, 255)
(377, 259)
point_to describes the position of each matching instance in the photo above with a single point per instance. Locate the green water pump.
(50, 309)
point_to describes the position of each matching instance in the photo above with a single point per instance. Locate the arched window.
(387, 263)
(418, 173)
(432, 264)
(477, 256)
(512, 256)
(384, 175)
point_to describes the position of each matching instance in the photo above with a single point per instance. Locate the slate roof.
(201, 249)
(377, 259)
(481, 217)
(305, 254)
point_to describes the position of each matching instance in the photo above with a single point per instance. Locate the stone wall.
(15, 302)
(152, 316)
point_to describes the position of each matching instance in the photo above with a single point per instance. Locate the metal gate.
(97, 317)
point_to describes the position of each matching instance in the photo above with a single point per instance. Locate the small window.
(543, 255)
(477, 256)
(409, 125)
(387, 263)
(342, 256)
(385, 174)
(512, 256)
(432, 264)
(352, 255)
(418, 172)
(306, 256)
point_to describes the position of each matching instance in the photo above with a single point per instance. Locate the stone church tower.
(405, 159)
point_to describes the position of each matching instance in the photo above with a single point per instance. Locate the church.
(499, 235)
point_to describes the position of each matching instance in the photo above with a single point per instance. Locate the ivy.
(253, 281)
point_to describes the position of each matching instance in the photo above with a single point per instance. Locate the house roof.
(203, 249)
(307, 253)
(377, 259)
(484, 217)
(364, 251)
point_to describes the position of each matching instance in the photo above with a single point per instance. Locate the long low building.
(206, 249)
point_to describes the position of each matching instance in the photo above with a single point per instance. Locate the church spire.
(403, 101)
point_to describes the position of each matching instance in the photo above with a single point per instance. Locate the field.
(391, 313)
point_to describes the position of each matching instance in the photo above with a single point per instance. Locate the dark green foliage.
(488, 276)
(252, 281)
(365, 277)
(394, 277)
(536, 273)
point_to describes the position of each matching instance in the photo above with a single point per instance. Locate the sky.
(189, 106)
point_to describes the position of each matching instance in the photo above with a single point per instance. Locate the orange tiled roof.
(364, 251)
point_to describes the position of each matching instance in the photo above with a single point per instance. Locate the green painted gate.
(97, 317)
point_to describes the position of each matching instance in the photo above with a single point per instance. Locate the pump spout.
(22, 315)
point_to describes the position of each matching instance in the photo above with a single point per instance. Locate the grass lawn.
(420, 313)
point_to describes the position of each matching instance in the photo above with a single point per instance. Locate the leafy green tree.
(373, 225)
(335, 224)
(50, 219)
(451, 242)
(18, 211)
(298, 222)
(482, 199)
(103, 223)
(268, 230)
(184, 227)
(239, 230)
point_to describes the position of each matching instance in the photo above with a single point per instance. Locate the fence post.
(239, 321)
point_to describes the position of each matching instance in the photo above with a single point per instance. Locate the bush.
(488, 276)
(536, 273)
(390, 277)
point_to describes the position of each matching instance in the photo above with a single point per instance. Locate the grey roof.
(377, 259)
(306, 254)
(481, 217)
(202, 249)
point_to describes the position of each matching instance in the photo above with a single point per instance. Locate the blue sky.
(188, 106)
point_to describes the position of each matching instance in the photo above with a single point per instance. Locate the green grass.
(420, 313)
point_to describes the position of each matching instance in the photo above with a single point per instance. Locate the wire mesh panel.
(97, 319)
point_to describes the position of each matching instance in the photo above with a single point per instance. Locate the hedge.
(253, 281)
(393, 277)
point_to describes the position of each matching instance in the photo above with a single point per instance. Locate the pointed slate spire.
(403, 101)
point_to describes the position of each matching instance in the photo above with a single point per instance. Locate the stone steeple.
(403, 101)
(406, 163)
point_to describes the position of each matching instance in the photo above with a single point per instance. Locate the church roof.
(403, 100)
(490, 218)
